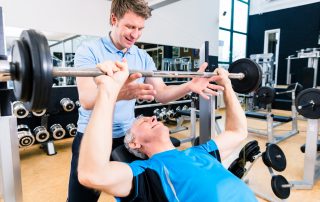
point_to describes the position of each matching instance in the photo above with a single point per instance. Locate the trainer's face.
(147, 129)
(127, 30)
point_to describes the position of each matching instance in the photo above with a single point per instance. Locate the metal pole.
(10, 160)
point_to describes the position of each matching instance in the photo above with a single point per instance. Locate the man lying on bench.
(195, 174)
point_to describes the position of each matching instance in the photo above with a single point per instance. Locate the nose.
(153, 119)
(135, 33)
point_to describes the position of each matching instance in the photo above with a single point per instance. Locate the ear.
(113, 19)
(134, 145)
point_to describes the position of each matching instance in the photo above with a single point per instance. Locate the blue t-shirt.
(194, 175)
(91, 53)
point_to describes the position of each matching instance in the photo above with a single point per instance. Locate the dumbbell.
(280, 185)
(25, 136)
(140, 101)
(41, 133)
(170, 114)
(57, 131)
(161, 115)
(67, 104)
(77, 103)
(71, 129)
(274, 157)
(39, 113)
(19, 110)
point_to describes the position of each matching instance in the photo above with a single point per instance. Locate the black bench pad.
(257, 115)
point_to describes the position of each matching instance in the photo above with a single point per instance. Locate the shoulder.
(91, 43)
(208, 147)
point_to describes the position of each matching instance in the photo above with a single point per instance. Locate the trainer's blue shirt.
(97, 51)
(194, 175)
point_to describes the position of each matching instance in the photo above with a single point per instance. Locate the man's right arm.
(236, 122)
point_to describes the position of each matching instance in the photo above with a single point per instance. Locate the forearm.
(170, 93)
(235, 117)
(97, 140)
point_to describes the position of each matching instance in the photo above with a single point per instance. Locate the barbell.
(32, 72)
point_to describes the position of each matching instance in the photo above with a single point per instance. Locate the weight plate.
(252, 72)
(41, 69)
(277, 182)
(265, 95)
(22, 71)
(292, 86)
(236, 168)
(250, 150)
(304, 98)
(274, 157)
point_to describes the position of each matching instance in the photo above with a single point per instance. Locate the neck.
(158, 147)
(112, 37)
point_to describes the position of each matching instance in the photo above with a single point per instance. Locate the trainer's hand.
(202, 86)
(133, 90)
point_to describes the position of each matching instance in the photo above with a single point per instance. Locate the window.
(233, 21)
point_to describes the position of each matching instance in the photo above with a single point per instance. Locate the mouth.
(131, 41)
(155, 125)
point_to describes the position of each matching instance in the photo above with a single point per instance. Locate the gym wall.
(182, 23)
(299, 29)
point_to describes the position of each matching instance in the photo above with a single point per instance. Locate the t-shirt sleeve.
(150, 65)
(84, 56)
(146, 185)
(212, 148)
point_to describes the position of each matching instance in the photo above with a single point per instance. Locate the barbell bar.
(5, 73)
(32, 72)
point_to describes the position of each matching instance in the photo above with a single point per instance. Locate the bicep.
(227, 142)
(119, 178)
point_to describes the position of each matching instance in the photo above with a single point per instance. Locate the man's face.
(127, 30)
(147, 129)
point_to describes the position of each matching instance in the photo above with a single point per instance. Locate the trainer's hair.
(127, 139)
(139, 7)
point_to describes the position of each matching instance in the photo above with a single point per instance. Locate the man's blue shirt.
(194, 175)
(98, 51)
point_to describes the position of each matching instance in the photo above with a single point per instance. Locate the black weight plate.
(292, 86)
(249, 150)
(41, 69)
(276, 184)
(22, 71)
(304, 98)
(265, 95)
(236, 168)
(252, 72)
(274, 157)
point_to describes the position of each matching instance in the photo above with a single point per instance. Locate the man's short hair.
(121, 7)
(129, 138)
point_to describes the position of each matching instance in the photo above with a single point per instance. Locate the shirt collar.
(113, 49)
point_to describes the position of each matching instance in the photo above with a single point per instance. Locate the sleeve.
(84, 57)
(212, 149)
(146, 185)
(150, 65)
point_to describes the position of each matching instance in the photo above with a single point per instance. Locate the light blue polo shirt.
(97, 51)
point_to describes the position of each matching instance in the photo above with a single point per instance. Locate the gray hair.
(129, 138)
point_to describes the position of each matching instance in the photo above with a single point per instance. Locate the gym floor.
(45, 178)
